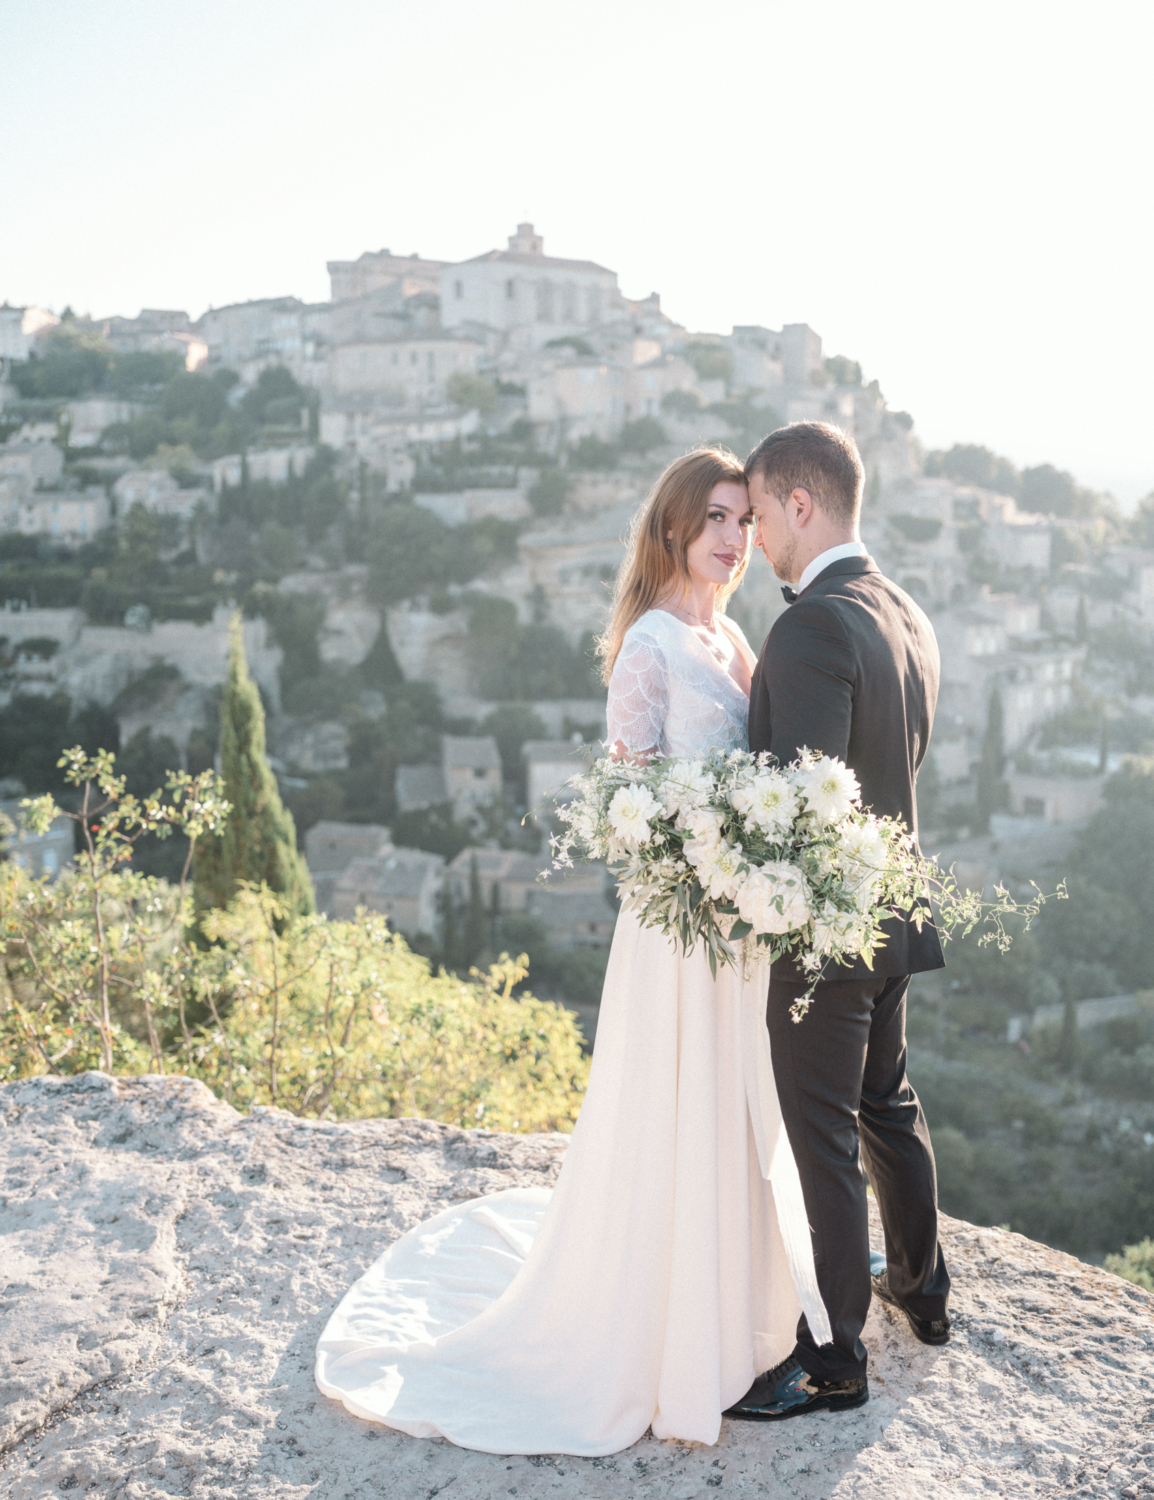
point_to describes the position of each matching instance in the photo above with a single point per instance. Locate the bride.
(670, 1263)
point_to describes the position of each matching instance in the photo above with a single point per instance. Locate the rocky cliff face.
(167, 1265)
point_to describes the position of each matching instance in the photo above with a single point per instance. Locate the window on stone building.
(510, 289)
(1034, 807)
(544, 302)
(459, 289)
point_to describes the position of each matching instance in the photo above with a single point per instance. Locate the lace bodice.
(669, 692)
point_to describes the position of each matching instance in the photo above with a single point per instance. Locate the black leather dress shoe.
(929, 1330)
(789, 1391)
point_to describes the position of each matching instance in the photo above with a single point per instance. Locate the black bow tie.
(788, 593)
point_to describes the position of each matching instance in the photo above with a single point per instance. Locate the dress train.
(665, 1270)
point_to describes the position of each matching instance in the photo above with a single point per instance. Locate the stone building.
(471, 765)
(549, 764)
(800, 352)
(331, 847)
(380, 437)
(67, 516)
(417, 788)
(248, 337)
(157, 491)
(157, 330)
(580, 396)
(758, 363)
(407, 370)
(272, 465)
(381, 270)
(512, 873)
(469, 777)
(577, 908)
(38, 853)
(401, 884)
(649, 381)
(18, 329)
(32, 465)
(525, 293)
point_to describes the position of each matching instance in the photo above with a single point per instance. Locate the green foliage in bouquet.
(747, 859)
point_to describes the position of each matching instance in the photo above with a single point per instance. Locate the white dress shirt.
(830, 555)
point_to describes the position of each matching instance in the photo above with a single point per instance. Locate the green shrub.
(411, 550)
(549, 494)
(591, 452)
(322, 1018)
(710, 361)
(917, 528)
(642, 435)
(1136, 1264)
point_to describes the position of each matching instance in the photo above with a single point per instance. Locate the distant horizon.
(958, 215)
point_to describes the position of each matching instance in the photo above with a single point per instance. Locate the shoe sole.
(935, 1340)
(819, 1403)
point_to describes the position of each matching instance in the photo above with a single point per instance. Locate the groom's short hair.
(813, 456)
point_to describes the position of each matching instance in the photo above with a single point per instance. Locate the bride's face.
(722, 547)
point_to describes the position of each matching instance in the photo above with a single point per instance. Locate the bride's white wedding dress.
(668, 1266)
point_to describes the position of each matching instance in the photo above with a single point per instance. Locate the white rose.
(830, 927)
(829, 787)
(687, 787)
(630, 812)
(768, 802)
(718, 871)
(774, 898)
(704, 828)
(863, 852)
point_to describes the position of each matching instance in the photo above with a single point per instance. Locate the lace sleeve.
(638, 695)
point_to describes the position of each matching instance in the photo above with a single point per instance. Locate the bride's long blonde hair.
(668, 522)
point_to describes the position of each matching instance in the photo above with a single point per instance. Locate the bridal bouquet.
(731, 851)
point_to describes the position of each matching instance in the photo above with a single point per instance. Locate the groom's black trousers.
(841, 1079)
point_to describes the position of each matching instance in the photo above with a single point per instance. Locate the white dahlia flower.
(718, 871)
(630, 812)
(830, 789)
(768, 802)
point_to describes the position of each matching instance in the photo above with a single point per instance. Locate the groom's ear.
(800, 506)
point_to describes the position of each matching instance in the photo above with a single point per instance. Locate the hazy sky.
(959, 196)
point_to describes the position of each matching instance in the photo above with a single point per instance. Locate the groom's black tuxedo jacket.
(851, 669)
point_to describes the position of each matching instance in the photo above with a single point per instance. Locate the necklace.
(690, 617)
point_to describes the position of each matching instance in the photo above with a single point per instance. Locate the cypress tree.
(991, 787)
(259, 842)
(1081, 621)
(476, 918)
(450, 934)
(1070, 1042)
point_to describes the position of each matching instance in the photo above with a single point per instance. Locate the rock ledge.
(168, 1264)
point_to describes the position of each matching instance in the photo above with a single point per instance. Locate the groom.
(851, 670)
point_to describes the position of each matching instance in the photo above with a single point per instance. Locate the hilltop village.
(417, 492)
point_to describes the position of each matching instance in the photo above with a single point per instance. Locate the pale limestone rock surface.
(167, 1264)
